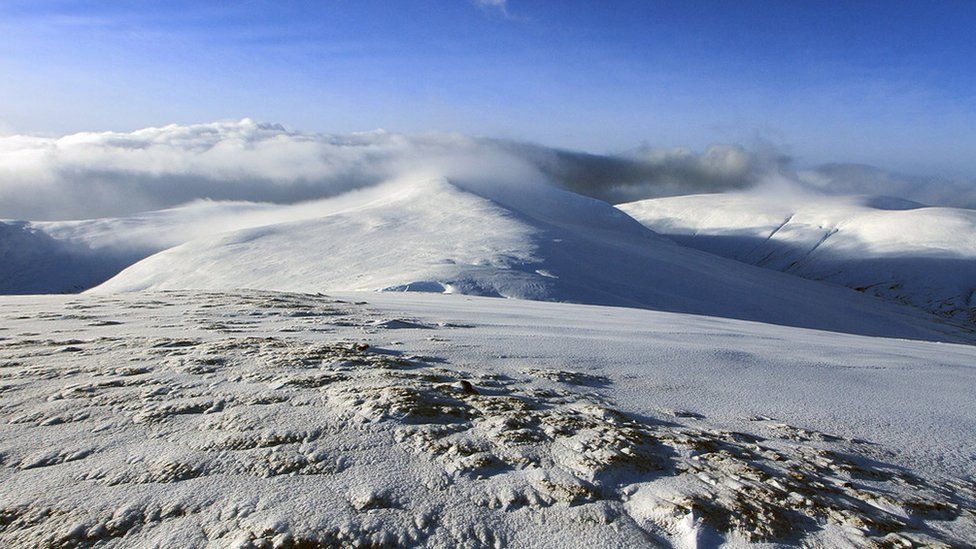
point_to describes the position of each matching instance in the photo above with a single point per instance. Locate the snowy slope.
(259, 419)
(71, 256)
(32, 262)
(894, 249)
(531, 242)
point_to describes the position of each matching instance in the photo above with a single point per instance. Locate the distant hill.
(891, 248)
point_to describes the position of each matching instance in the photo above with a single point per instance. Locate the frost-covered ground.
(259, 419)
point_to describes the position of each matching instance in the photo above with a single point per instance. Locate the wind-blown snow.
(258, 419)
(891, 248)
(526, 242)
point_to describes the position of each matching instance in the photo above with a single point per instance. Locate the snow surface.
(259, 419)
(891, 248)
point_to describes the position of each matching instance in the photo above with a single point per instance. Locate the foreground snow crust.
(260, 419)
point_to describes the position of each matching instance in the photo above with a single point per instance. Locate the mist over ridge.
(98, 174)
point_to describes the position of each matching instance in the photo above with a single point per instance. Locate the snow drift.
(890, 248)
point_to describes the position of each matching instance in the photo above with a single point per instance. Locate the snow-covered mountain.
(325, 371)
(526, 242)
(890, 248)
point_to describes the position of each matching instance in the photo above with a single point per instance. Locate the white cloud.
(499, 6)
(110, 173)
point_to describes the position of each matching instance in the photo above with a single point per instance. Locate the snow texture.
(264, 419)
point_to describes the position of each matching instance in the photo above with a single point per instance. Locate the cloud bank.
(109, 174)
(89, 175)
(860, 179)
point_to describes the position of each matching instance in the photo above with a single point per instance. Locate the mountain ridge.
(532, 242)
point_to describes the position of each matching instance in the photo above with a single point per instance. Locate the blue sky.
(886, 83)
